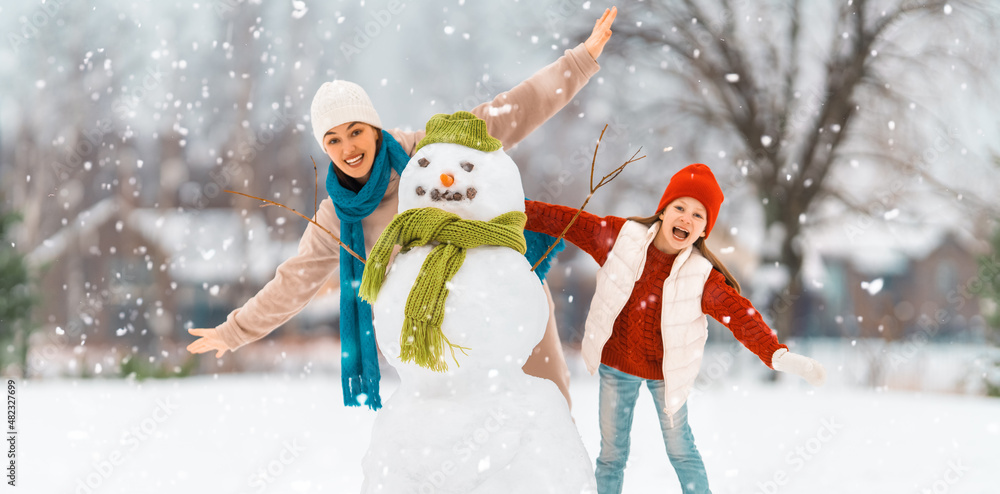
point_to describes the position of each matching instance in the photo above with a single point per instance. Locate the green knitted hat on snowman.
(461, 128)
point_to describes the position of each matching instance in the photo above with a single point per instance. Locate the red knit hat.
(695, 181)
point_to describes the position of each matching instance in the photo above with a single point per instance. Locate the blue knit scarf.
(359, 374)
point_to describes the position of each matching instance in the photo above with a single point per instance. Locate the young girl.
(364, 174)
(647, 322)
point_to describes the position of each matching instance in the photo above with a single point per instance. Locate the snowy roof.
(877, 248)
(213, 245)
(87, 221)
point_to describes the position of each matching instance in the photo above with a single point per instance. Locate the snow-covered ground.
(288, 433)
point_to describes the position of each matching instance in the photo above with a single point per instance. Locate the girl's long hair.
(702, 247)
(350, 183)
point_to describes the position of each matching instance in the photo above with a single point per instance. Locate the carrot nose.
(447, 179)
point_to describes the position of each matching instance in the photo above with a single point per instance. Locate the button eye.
(467, 166)
(423, 162)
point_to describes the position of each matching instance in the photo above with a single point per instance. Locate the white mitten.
(800, 365)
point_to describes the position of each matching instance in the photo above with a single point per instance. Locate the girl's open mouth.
(680, 233)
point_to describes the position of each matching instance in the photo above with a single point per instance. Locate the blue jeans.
(619, 391)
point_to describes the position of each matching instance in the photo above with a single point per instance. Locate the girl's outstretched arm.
(723, 303)
(592, 234)
(800, 365)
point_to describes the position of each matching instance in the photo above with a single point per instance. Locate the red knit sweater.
(636, 345)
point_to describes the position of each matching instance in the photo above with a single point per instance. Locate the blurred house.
(102, 284)
(922, 284)
(219, 258)
(135, 278)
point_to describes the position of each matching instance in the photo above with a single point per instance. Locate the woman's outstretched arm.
(512, 115)
(296, 282)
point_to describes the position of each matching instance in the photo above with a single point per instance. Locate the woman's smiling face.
(352, 147)
(684, 221)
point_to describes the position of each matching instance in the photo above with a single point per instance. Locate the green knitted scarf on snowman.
(422, 340)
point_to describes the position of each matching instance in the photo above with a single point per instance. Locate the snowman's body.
(498, 313)
(484, 425)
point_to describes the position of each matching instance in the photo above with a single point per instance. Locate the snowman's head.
(473, 184)
(460, 168)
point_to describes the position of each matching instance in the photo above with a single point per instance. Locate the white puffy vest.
(683, 325)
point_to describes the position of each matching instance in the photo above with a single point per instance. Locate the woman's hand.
(805, 367)
(602, 33)
(210, 340)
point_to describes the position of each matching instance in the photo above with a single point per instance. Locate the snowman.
(457, 312)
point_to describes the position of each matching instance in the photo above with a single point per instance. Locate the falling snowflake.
(300, 9)
(873, 286)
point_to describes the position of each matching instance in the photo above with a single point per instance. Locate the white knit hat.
(339, 102)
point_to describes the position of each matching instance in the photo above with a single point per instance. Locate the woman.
(365, 166)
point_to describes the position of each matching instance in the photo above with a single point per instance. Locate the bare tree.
(758, 77)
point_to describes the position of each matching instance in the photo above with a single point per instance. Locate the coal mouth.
(448, 195)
